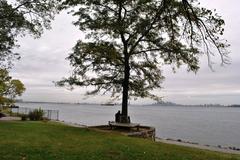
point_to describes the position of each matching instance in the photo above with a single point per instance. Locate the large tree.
(127, 42)
(19, 17)
(9, 88)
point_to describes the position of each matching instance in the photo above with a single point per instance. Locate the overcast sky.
(43, 61)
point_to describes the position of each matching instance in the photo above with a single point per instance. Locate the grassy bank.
(53, 141)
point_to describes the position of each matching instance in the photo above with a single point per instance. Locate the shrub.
(24, 117)
(2, 115)
(36, 115)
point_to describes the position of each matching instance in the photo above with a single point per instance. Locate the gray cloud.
(43, 61)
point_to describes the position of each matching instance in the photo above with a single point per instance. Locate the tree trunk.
(124, 116)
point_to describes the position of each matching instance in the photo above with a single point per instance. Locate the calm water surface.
(212, 126)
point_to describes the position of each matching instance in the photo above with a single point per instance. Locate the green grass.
(54, 141)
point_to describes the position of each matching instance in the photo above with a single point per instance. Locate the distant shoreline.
(167, 104)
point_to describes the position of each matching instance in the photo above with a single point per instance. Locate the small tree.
(9, 88)
(19, 17)
(127, 42)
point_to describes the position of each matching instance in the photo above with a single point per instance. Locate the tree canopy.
(9, 88)
(127, 42)
(18, 18)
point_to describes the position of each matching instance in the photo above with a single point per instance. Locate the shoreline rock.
(219, 148)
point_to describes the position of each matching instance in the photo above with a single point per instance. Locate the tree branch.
(161, 9)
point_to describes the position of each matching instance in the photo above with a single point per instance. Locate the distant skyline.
(43, 61)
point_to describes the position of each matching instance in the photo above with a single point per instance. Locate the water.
(207, 126)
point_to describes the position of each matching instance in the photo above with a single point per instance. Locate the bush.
(2, 115)
(36, 115)
(24, 117)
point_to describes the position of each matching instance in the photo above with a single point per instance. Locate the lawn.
(54, 141)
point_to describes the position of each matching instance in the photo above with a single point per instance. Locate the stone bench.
(123, 125)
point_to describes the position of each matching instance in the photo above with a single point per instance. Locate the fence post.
(48, 115)
(57, 115)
